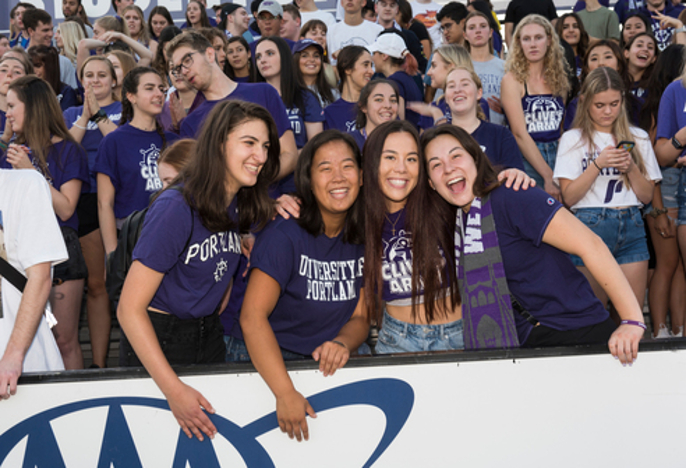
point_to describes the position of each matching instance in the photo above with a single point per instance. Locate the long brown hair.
(600, 80)
(204, 187)
(42, 118)
(430, 222)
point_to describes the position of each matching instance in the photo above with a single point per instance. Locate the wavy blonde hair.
(71, 33)
(554, 63)
(598, 81)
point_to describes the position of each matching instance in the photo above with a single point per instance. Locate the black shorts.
(75, 266)
(87, 211)
(542, 336)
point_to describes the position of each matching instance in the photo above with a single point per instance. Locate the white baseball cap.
(391, 44)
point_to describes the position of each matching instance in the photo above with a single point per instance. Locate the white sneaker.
(680, 334)
(662, 333)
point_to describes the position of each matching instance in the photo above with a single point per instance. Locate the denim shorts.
(183, 341)
(74, 268)
(236, 351)
(549, 152)
(681, 198)
(622, 231)
(397, 336)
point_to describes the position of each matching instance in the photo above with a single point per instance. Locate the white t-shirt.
(322, 15)
(341, 35)
(30, 235)
(608, 190)
(426, 13)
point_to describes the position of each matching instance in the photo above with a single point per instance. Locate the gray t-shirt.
(601, 23)
(491, 74)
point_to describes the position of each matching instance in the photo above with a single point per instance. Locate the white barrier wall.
(565, 411)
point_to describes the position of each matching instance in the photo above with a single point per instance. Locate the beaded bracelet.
(635, 323)
(3, 145)
(79, 126)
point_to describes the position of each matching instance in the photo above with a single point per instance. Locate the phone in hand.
(626, 145)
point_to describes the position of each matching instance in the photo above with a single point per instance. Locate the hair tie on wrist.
(634, 323)
(596, 165)
(339, 344)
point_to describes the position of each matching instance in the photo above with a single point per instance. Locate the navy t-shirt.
(67, 97)
(93, 136)
(441, 104)
(197, 264)
(541, 277)
(499, 145)
(258, 93)
(313, 113)
(66, 161)
(396, 259)
(341, 115)
(409, 91)
(320, 280)
(129, 157)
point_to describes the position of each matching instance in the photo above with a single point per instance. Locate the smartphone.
(626, 145)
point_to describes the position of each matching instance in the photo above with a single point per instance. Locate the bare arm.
(313, 128)
(144, 54)
(509, 29)
(511, 92)
(29, 316)
(108, 223)
(185, 402)
(289, 154)
(261, 297)
(83, 50)
(665, 151)
(570, 235)
(65, 199)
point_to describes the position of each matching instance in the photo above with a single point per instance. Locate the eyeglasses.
(186, 63)
(446, 26)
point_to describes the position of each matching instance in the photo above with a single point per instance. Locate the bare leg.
(667, 261)
(678, 299)
(637, 274)
(66, 305)
(97, 301)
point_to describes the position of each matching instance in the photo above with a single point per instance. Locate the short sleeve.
(277, 109)
(613, 25)
(568, 161)
(166, 230)
(273, 254)
(106, 159)
(667, 123)
(512, 156)
(76, 166)
(41, 235)
(527, 212)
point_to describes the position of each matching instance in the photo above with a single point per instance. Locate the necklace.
(393, 223)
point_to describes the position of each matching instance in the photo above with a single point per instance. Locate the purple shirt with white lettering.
(320, 280)
(128, 156)
(197, 264)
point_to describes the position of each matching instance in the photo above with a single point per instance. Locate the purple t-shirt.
(320, 280)
(671, 115)
(197, 264)
(499, 145)
(543, 115)
(409, 91)
(66, 161)
(128, 156)
(396, 259)
(341, 115)
(441, 104)
(541, 277)
(93, 136)
(258, 93)
(67, 97)
(662, 36)
(313, 113)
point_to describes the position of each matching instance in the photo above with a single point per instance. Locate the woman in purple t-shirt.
(304, 295)
(175, 286)
(44, 143)
(523, 237)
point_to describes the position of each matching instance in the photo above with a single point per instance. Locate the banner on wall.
(564, 411)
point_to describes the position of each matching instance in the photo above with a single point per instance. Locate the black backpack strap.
(12, 275)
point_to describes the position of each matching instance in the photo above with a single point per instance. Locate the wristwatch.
(98, 116)
(655, 212)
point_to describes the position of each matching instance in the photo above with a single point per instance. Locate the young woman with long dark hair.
(172, 294)
(46, 65)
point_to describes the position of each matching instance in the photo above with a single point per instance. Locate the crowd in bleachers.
(272, 185)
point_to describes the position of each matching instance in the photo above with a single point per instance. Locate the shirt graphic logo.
(149, 168)
(222, 267)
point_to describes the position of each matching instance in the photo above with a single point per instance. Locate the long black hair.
(310, 216)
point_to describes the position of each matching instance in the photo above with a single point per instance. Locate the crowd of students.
(277, 188)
